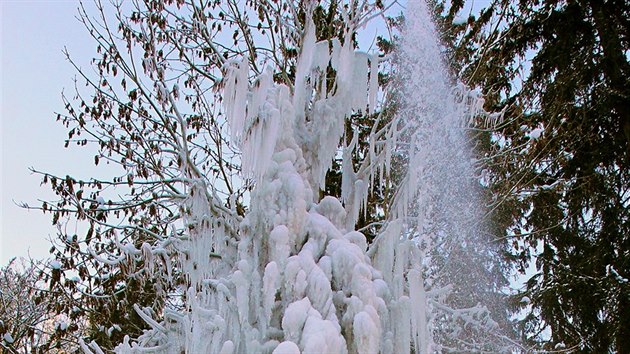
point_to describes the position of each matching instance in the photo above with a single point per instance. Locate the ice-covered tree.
(27, 323)
(226, 118)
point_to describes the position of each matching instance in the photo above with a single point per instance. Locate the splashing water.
(440, 164)
(460, 264)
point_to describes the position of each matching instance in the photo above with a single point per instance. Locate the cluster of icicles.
(294, 276)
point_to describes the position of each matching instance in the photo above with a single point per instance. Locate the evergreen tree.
(559, 73)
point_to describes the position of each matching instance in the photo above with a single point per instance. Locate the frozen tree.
(217, 235)
(27, 324)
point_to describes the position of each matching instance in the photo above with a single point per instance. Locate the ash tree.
(222, 121)
(560, 75)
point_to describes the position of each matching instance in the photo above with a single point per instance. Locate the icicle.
(372, 156)
(259, 94)
(373, 91)
(303, 69)
(240, 279)
(321, 56)
(347, 173)
(402, 324)
(358, 203)
(345, 71)
(386, 250)
(389, 148)
(260, 141)
(419, 317)
(235, 99)
(359, 81)
(335, 53)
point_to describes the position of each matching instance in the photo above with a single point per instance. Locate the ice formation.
(293, 276)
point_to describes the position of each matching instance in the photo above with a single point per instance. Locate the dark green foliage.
(561, 66)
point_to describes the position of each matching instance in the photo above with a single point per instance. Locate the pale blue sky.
(33, 73)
